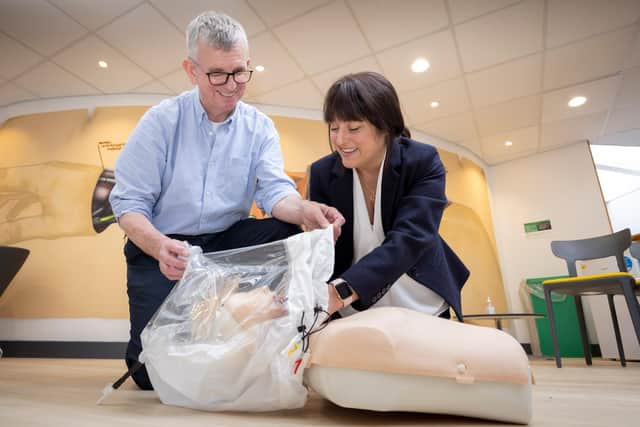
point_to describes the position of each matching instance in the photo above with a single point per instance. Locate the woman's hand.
(335, 303)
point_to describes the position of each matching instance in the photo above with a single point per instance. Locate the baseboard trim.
(112, 350)
(64, 349)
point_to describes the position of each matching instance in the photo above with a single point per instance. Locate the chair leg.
(634, 307)
(552, 326)
(586, 347)
(616, 329)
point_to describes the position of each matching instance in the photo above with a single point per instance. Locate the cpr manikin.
(234, 334)
(231, 334)
(395, 359)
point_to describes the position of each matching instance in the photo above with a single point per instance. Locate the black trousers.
(147, 287)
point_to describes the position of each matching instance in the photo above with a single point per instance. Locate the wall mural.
(56, 173)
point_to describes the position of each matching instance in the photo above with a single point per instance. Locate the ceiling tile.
(565, 132)
(314, 47)
(153, 87)
(157, 45)
(439, 49)
(570, 20)
(509, 33)
(275, 12)
(418, 17)
(280, 69)
(182, 12)
(516, 114)
(451, 95)
(49, 80)
(525, 141)
(463, 10)
(95, 13)
(82, 59)
(514, 79)
(177, 81)
(456, 128)
(10, 94)
(22, 58)
(588, 59)
(326, 79)
(302, 94)
(629, 93)
(27, 23)
(623, 120)
(599, 96)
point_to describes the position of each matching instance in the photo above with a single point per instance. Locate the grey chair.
(635, 250)
(609, 284)
(11, 260)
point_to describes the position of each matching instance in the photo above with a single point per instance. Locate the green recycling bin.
(566, 317)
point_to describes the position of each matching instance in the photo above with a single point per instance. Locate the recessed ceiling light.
(103, 64)
(577, 101)
(508, 143)
(435, 104)
(259, 68)
(420, 65)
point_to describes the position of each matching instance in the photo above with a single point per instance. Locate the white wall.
(559, 185)
(624, 212)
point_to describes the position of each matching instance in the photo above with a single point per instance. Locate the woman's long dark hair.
(366, 96)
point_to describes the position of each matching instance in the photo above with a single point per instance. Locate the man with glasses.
(191, 170)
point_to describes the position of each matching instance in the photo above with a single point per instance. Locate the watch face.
(344, 290)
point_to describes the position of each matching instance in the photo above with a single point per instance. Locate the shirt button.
(210, 133)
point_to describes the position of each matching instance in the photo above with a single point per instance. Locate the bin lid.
(539, 280)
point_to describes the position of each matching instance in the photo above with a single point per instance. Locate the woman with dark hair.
(390, 190)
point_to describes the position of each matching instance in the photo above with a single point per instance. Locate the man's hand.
(171, 254)
(311, 215)
(317, 215)
(172, 257)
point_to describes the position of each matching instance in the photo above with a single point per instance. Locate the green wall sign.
(532, 227)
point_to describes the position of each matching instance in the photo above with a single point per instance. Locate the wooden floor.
(63, 392)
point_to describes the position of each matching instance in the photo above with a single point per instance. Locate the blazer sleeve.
(414, 233)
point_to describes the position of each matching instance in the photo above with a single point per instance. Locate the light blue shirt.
(190, 176)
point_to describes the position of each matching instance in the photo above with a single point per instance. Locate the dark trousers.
(147, 287)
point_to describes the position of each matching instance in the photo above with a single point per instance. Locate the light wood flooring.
(63, 392)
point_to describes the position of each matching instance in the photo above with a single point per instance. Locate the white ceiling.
(500, 69)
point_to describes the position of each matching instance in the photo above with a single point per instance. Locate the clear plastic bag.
(230, 334)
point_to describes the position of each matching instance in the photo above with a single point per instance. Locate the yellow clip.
(293, 349)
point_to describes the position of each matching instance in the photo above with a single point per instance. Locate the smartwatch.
(346, 294)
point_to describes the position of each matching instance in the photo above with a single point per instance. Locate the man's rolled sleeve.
(273, 184)
(139, 169)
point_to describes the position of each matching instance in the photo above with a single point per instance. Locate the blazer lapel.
(390, 181)
(342, 187)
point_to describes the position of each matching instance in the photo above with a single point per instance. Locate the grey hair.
(217, 30)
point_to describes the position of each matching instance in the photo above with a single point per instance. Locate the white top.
(405, 292)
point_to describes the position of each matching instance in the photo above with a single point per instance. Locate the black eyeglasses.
(220, 78)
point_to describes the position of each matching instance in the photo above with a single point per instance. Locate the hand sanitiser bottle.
(489, 308)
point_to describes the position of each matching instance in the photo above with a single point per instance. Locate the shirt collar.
(201, 114)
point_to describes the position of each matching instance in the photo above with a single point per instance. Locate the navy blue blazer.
(413, 200)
